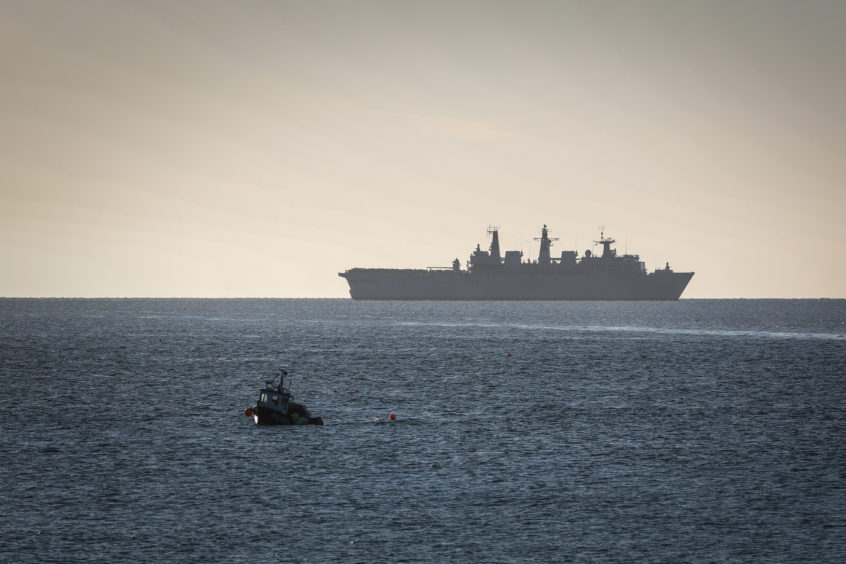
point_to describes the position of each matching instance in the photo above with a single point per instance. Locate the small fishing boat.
(276, 406)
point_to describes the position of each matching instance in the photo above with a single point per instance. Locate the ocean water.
(698, 430)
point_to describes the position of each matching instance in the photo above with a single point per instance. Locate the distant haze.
(258, 148)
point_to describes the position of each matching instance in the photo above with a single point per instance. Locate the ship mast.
(545, 243)
(494, 233)
(606, 245)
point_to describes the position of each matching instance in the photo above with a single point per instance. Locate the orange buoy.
(392, 417)
(248, 412)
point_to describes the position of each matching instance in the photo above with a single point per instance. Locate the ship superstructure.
(491, 276)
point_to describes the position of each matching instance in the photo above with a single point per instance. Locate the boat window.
(264, 398)
(275, 400)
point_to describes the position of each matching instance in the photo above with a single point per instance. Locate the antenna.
(544, 233)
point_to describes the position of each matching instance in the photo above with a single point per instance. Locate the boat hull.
(389, 284)
(265, 416)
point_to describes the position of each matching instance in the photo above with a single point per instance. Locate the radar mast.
(545, 243)
(493, 231)
(607, 252)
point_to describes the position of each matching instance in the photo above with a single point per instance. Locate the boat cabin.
(275, 398)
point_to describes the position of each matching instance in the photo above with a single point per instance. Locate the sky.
(201, 148)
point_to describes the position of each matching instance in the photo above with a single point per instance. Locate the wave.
(693, 332)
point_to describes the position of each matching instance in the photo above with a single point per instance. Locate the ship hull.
(388, 284)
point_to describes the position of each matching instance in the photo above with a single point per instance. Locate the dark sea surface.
(698, 430)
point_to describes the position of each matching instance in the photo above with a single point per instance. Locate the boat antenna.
(282, 374)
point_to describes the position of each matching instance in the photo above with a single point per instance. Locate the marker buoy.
(355, 391)
(392, 417)
(509, 354)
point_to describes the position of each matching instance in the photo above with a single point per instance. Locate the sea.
(686, 431)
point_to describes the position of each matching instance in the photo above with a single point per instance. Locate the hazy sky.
(249, 148)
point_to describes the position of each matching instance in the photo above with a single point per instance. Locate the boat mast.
(545, 243)
(494, 233)
(606, 245)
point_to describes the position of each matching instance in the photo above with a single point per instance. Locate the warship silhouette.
(490, 276)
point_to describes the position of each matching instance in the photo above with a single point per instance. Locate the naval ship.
(490, 276)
